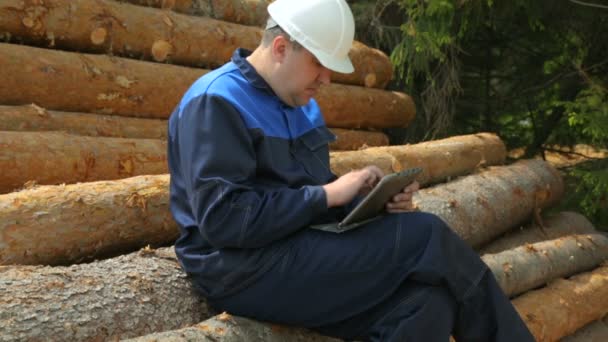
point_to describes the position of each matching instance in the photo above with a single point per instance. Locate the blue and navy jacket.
(246, 172)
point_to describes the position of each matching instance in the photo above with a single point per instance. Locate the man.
(250, 173)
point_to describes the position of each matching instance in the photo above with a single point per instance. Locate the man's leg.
(326, 279)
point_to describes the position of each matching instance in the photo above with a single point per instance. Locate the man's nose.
(325, 76)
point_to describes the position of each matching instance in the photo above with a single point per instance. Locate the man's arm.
(218, 163)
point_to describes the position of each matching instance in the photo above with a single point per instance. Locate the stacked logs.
(89, 161)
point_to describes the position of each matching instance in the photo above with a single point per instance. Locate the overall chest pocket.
(312, 151)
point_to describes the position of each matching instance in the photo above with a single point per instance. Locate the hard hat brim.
(344, 66)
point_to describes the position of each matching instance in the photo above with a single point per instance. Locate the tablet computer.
(372, 206)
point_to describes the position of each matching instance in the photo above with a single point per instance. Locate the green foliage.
(535, 72)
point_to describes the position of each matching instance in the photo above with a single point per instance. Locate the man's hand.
(344, 189)
(402, 201)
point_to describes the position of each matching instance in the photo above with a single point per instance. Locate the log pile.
(84, 184)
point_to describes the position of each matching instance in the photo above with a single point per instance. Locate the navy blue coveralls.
(246, 180)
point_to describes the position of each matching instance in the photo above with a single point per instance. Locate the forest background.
(534, 72)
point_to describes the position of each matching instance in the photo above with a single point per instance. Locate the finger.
(402, 197)
(412, 187)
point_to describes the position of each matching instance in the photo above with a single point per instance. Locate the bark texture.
(114, 85)
(35, 118)
(126, 30)
(164, 36)
(346, 106)
(128, 296)
(61, 225)
(524, 268)
(349, 139)
(245, 12)
(441, 159)
(127, 87)
(228, 328)
(483, 206)
(593, 332)
(556, 226)
(91, 220)
(565, 305)
(55, 158)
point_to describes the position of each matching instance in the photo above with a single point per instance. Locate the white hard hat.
(326, 28)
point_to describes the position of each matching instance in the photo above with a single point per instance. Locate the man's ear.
(279, 48)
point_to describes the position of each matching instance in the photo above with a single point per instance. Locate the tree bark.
(565, 305)
(156, 35)
(127, 296)
(61, 225)
(127, 87)
(349, 139)
(126, 30)
(91, 220)
(524, 268)
(55, 158)
(441, 159)
(228, 328)
(483, 206)
(593, 332)
(34, 118)
(556, 226)
(245, 12)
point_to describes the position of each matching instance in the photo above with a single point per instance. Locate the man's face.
(301, 76)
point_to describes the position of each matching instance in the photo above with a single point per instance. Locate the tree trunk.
(245, 12)
(55, 158)
(228, 328)
(155, 35)
(565, 305)
(92, 220)
(524, 268)
(441, 159)
(128, 296)
(61, 225)
(556, 226)
(483, 206)
(127, 87)
(349, 139)
(593, 332)
(34, 118)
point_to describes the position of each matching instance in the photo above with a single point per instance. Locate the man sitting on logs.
(249, 162)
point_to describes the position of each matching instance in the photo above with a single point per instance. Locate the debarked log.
(148, 33)
(127, 87)
(55, 158)
(60, 225)
(89, 220)
(351, 139)
(565, 305)
(440, 159)
(229, 328)
(481, 207)
(35, 118)
(123, 297)
(245, 12)
(524, 268)
(555, 226)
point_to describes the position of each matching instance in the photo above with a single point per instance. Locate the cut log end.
(98, 36)
(161, 49)
(370, 80)
(28, 22)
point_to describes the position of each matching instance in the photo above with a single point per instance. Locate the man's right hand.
(344, 189)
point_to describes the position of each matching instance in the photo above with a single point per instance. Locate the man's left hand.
(402, 202)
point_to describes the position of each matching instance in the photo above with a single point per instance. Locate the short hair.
(273, 30)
